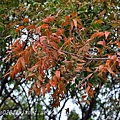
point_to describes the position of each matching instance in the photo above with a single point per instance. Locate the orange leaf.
(85, 79)
(31, 27)
(106, 34)
(118, 53)
(22, 62)
(52, 83)
(67, 17)
(48, 87)
(119, 44)
(25, 20)
(30, 76)
(88, 69)
(12, 74)
(38, 29)
(114, 57)
(37, 91)
(98, 21)
(88, 102)
(45, 26)
(94, 35)
(62, 87)
(110, 71)
(87, 89)
(103, 12)
(43, 91)
(53, 44)
(26, 57)
(60, 31)
(118, 62)
(40, 78)
(88, 76)
(32, 68)
(75, 22)
(57, 73)
(48, 19)
(100, 34)
(55, 79)
(30, 90)
(73, 14)
(103, 43)
(18, 67)
(19, 28)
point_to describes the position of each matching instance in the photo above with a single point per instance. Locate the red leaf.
(84, 96)
(103, 43)
(106, 34)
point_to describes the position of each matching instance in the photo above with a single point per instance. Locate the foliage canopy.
(69, 51)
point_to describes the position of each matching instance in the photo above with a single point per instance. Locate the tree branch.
(93, 100)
